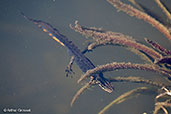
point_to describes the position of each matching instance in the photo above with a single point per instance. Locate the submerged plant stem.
(87, 85)
(116, 66)
(128, 95)
(141, 15)
(108, 37)
(163, 9)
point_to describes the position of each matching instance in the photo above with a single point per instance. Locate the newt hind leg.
(69, 70)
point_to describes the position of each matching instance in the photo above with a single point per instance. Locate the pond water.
(32, 66)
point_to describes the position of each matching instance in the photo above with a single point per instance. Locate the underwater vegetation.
(157, 58)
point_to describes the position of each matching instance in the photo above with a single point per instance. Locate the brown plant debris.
(140, 15)
(107, 37)
(116, 66)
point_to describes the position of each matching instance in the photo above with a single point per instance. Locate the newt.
(81, 60)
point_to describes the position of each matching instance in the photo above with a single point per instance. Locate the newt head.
(104, 83)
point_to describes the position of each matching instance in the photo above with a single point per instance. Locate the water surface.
(32, 66)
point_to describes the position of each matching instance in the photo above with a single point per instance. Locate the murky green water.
(32, 66)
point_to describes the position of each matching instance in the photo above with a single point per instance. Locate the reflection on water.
(32, 65)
